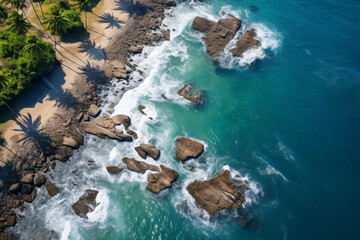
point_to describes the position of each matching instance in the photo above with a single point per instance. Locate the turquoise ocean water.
(286, 117)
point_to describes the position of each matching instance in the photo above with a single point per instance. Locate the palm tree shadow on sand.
(110, 20)
(32, 133)
(93, 74)
(92, 51)
(133, 8)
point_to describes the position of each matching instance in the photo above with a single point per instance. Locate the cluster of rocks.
(219, 34)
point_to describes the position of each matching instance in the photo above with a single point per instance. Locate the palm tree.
(3, 12)
(17, 24)
(18, 5)
(58, 24)
(83, 5)
(35, 47)
(3, 83)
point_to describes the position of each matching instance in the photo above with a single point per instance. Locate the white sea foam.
(156, 86)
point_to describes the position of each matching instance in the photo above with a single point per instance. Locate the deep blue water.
(289, 121)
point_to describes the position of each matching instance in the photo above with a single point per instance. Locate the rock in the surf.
(39, 179)
(94, 110)
(138, 166)
(148, 149)
(105, 127)
(188, 148)
(218, 193)
(86, 203)
(114, 170)
(219, 34)
(122, 119)
(245, 42)
(161, 180)
(51, 188)
(187, 92)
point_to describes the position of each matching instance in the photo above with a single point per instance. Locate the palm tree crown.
(34, 47)
(17, 24)
(57, 23)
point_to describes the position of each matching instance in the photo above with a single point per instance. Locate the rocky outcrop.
(245, 42)
(218, 193)
(86, 203)
(219, 34)
(105, 127)
(138, 166)
(187, 92)
(161, 180)
(94, 110)
(51, 188)
(147, 149)
(114, 170)
(188, 148)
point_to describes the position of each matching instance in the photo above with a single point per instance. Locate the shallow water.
(285, 117)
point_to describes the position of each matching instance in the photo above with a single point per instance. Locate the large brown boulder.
(218, 193)
(114, 170)
(70, 142)
(219, 34)
(86, 203)
(138, 166)
(122, 119)
(105, 127)
(245, 42)
(188, 148)
(187, 92)
(147, 149)
(94, 110)
(28, 178)
(51, 188)
(39, 179)
(161, 180)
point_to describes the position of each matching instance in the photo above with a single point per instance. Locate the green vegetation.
(25, 57)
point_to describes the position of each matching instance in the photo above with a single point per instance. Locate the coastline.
(63, 115)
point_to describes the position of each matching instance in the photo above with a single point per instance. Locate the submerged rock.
(147, 149)
(188, 148)
(161, 180)
(114, 170)
(138, 166)
(245, 42)
(86, 203)
(187, 92)
(218, 193)
(219, 34)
